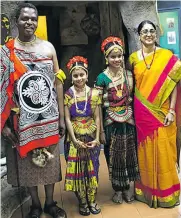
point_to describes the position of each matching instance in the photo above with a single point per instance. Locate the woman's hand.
(93, 144)
(102, 138)
(168, 119)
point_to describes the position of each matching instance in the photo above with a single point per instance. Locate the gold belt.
(117, 109)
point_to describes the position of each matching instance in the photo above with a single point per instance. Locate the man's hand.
(6, 131)
(9, 136)
(62, 129)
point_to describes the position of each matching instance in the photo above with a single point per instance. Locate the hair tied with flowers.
(111, 39)
(77, 61)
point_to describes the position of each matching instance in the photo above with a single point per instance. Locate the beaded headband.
(77, 62)
(111, 43)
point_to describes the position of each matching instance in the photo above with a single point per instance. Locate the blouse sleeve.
(96, 99)
(66, 99)
(131, 59)
(99, 102)
(99, 84)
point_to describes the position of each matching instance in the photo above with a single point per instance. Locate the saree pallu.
(157, 153)
(27, 83)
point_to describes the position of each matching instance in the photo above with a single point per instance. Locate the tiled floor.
(68, 201)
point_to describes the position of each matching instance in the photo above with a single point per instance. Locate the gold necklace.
(112, 75)
(148, 66)
(119, 92)
(26, 43)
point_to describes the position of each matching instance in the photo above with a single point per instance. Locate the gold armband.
(60, 75)
(15, 109)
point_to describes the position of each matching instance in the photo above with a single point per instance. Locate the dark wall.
(64, 52)
(52, 14)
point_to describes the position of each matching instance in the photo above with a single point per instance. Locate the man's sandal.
(35, 212)
(54, 211)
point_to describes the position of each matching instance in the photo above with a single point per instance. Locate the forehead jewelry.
(116, 50)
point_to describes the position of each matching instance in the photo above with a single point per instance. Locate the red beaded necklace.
(148, 66)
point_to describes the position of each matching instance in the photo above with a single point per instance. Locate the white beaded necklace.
(86, 100)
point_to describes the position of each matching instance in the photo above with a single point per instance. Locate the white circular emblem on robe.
(35, 92)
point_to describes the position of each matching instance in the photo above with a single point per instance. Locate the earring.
(106, 61)
(72, 82)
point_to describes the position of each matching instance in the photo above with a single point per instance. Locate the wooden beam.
(116, 24)
(104, 19)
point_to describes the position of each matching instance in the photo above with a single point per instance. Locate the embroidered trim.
(123, 117)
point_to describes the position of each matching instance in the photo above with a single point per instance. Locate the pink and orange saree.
(157, 152)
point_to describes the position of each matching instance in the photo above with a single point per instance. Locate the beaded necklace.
(26, 43)
(148, 66)
(86, 100)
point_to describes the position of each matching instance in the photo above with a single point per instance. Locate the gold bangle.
(172, 112)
